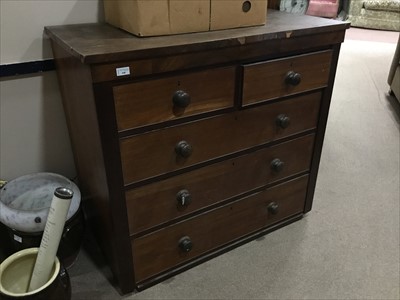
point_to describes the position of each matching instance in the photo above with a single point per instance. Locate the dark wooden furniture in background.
(274, 4)
(207, 142)
(394, 73)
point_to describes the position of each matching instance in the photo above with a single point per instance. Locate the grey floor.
(347, 247)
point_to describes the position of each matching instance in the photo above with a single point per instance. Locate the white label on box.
(123, 71)
(18, 238)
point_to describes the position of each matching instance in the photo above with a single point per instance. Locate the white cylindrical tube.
(51, 237)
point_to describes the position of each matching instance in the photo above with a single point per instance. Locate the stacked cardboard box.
(163, 17)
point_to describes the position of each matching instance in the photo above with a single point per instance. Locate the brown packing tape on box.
(163, 17)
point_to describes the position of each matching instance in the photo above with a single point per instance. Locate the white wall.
(33, 132)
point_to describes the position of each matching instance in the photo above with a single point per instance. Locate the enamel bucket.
(24, 206)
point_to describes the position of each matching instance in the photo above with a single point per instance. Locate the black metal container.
(24, 206)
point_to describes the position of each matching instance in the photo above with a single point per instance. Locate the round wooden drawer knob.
(183, 197)
(277, 165)
(273, 208)
(185, 244)
(183, 149)
(282, 121)
(293, 78)
(181, 99)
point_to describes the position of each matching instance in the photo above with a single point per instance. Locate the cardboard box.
(163, 17)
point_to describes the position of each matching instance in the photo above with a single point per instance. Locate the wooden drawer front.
(150, 154)
(160, 202)
(268, 80)
(149, 102)
(160, 251)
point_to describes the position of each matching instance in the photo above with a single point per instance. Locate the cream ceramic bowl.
(16, 272)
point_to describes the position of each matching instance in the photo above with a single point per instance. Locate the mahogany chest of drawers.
(187, 146)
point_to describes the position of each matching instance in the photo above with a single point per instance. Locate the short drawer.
(169, 149)
(154, 101)
(170, 246)
(175, 197)
(276, 78)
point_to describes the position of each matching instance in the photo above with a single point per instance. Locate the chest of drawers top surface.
(211, 140)
(101, 43)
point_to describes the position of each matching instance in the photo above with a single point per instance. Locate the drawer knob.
(183, 149)
(282, 121)
(293, 78)
(277, 165)
(185, 244)
(181, 99)
(183, 197)
(273, 208)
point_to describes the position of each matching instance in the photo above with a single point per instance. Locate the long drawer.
(177, 244)
(277, 78)
(154, 101)
(165, 150)
(168, 199)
